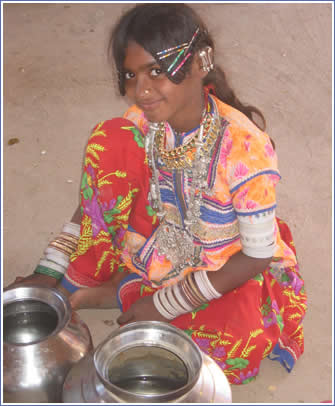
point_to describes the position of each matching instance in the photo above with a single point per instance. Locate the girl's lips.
(149, 106)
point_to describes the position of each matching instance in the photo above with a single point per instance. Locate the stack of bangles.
(183, 297)
(57, 255)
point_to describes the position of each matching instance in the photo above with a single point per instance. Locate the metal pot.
(42, 339)
(146, 362)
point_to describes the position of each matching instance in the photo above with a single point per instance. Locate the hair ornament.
(193, 38)
(175, 49)
(181, 64)
(171, 51)
(176, 60)
(185, 52)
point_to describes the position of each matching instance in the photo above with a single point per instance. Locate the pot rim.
(49, 296)
(142, 326)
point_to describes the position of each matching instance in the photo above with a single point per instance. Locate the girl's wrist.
(57, 255)
(185, 296)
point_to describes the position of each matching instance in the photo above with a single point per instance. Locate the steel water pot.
(42, 340)
(146, 362)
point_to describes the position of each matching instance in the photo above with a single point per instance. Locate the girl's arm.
(236, 271)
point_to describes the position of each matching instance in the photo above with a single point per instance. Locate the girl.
(178, 204)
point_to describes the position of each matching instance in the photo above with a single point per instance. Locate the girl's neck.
(188, 121)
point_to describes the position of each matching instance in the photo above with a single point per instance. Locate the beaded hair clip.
(181, 50)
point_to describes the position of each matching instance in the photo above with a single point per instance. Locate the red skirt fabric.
(261, 318)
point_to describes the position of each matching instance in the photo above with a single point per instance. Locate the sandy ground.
(58, 85)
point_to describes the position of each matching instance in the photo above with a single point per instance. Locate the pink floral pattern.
(241, 170)
(269, 150)
(225, 151)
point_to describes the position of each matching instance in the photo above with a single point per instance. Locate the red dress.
(261, 318)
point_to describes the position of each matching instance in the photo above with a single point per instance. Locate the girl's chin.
(156, 115)
(154, 118)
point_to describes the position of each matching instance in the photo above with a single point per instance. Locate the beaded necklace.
(172, 240)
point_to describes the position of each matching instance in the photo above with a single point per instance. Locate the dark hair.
(157, 27)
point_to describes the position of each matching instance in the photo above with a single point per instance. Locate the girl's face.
(160, 99)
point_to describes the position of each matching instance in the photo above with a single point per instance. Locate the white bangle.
(201, 285)
(52, 265)
(213, 291)
(52, 254)
(170, 303)
(60, 249)
(180, 299)
(166, 304)
(205, 286)
(72, 228)
(174, 303)
(160, 307)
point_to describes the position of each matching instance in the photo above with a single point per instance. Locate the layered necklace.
(175, 241)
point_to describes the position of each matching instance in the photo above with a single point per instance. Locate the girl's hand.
(100, 297)
(142, 310)
(34, 279)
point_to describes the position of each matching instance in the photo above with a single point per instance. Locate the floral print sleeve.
(251, 169)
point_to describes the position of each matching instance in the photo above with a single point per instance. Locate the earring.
(206, 56)
(146, 91)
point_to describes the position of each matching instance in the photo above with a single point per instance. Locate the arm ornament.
(257, 233)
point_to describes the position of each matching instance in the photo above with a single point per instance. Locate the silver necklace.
(176, 241)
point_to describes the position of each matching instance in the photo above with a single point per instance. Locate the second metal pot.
(147, 362)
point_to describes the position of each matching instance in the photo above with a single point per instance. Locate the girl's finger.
(124, 318)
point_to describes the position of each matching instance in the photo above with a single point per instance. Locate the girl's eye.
(155, 72)
(129, 75)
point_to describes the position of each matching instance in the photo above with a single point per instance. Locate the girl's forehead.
(136, 57)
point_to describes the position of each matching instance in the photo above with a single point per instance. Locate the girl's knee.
(122, 129)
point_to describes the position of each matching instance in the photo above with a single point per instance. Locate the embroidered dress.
(119, 230)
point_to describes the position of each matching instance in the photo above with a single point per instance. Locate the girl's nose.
(143, 88)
